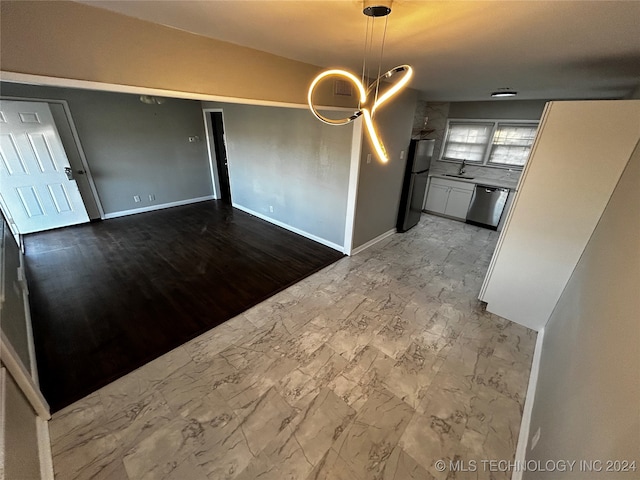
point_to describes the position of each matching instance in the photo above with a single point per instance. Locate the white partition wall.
(580, 152)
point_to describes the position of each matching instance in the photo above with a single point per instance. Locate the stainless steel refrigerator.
(415, 183)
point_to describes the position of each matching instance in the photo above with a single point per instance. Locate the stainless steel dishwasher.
(487, 204)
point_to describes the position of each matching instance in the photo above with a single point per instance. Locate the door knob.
(68, 172)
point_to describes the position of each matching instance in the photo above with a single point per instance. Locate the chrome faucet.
(461, 171)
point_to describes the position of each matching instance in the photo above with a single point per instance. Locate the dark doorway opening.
(220, 149)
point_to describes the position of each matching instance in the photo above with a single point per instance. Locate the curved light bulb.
(336, 73)
(364, 94)
(373, 135)
(399, 85)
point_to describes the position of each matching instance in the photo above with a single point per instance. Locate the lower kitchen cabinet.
(437, 197)
(449, 197)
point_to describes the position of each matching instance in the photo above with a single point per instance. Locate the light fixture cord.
(370, 52)
(364, 55)
(384, 35)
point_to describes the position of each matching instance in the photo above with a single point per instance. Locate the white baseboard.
(372, 242)
(525, 424)
(308, 235)
(152, 208)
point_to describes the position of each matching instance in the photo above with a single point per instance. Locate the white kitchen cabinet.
(449, 197)
(458, 203)
(437, 197)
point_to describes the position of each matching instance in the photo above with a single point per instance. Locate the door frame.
(76, 139)
(211, 151)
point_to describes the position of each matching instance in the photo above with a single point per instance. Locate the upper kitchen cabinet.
(579, 154)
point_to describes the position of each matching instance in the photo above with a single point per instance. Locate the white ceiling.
(461, 50)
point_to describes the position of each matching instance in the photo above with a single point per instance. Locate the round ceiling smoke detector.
(377, 8)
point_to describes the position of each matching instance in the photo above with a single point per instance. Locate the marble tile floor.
(374, 368)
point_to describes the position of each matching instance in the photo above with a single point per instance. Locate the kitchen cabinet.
(449, 197)
(437, 197)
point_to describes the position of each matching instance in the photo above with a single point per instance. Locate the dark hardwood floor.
(108, 297)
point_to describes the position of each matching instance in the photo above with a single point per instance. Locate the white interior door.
(36, 180)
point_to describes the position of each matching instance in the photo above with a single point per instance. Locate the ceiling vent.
(343, 88)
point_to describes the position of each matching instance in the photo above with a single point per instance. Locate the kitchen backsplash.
(488, 173)
(437, 114)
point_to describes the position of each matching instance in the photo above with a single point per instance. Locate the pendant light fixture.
(370, 98)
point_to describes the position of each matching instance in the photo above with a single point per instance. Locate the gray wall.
(587, 396)
(380, 185)
(13, 319)
(20, 433)
(287, 159)
(133, 148)
(635, 93)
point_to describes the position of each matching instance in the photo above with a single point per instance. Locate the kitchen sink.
(458, 176)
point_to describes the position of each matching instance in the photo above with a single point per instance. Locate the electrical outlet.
(271, 208)
(535, 439)
(152, 197)
(136, 198)
(369, 158)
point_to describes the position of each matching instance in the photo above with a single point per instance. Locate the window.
(467, 141)
(492, 143)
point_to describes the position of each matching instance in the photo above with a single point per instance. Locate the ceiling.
(460, 50)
